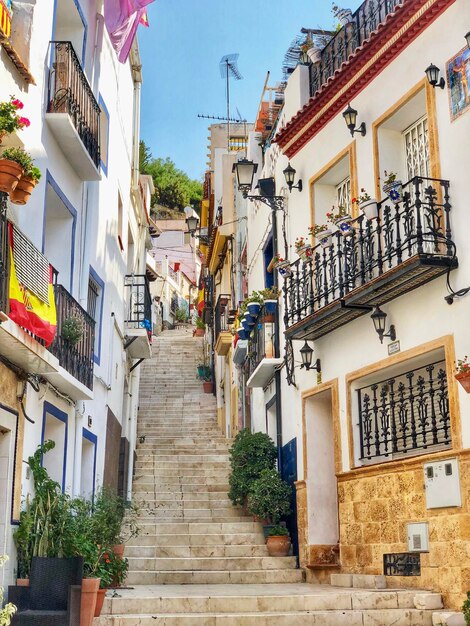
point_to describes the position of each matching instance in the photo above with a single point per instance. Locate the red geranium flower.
(23, 121)
(17, 103)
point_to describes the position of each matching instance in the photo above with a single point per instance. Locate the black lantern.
(306, 353)
(379, 318)
(467, 37)
(289, 174)
(245, 171)
(192, 221)
(432, 73)
(350, 117)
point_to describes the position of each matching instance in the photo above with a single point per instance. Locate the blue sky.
(181, 52)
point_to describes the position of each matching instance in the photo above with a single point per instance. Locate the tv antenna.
(229, 69)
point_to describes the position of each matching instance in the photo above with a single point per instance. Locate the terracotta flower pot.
(199, 332)
(118, 550)
(90, 588)
(99, 601)
(278, 545)
(207, 386)
(464, 380)
(23, 190)
(10, 174)
(22, 582)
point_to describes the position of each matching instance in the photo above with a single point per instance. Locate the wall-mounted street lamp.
(245, 171)
(432, 73)
(467, 37)
(379, 317)
(306, 352)
(289, 174)
(192, 222)
(350, 117)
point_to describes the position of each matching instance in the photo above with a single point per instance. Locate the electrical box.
(418, 537)
(442, 484)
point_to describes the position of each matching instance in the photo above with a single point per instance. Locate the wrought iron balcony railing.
(405, 414)
(69, 92)
(408, 244)
(139, 303)
(261, 344)
(76, 359)
(364, 21)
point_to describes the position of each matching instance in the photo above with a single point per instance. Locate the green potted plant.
(250, 454)
(270, 296)
(278, 541)
(463, 373)
(181, 315)
(303, 248)
(393, 187)
(367, 205)
(107, 520)
(22, 538)
(207, 380)
(13, 163)
(281, 265)
(72, 330)
(7, 611)
(322, 233)
(269, 498)
(200, 327)
(254, 303)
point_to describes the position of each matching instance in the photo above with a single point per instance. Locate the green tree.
(173, 187)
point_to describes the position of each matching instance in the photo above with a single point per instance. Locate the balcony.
(223, 336)
(364, 21)
(138, 322)
(68, 367)
(409, 244)
(72, 113)
(261, 364)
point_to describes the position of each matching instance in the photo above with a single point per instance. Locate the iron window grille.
(405, 414)
(4, 253)
(93, 295)
(32, 267)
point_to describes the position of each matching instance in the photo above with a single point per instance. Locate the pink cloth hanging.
(122, 18)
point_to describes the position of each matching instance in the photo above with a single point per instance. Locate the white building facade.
(86, 218)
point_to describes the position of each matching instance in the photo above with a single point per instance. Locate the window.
(343, 194)
(88, 468)
(70, 25)
(58, 245)
(95, 309)
(416, 144)
(404, 414)
(55, 427)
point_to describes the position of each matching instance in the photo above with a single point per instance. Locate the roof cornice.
(392, 36)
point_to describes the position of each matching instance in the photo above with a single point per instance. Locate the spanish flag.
(27, 309)
(5, 19)
(144, 20)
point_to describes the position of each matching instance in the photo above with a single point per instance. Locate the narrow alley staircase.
(198, 561)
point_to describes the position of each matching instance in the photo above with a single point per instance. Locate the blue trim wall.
(85, 29)
(63, 198)
(51, 409)
(7, 409)
(95, 276)
(86, 434)
(104, 166)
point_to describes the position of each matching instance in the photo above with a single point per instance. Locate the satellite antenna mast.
(229, 69)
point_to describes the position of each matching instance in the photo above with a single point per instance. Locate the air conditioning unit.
(241, 351)
(418, 537)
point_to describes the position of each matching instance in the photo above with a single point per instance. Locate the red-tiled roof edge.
(358, 59)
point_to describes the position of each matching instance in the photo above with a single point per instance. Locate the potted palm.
(269, 498)
(322, 233)
(393, 187)
(367, 205)
(463, 373)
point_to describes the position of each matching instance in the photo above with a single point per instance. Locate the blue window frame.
(53, 411)
(104, 134)
(93, 439)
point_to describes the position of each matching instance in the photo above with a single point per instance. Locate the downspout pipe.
(277, 352)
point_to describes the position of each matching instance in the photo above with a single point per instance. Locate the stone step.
(184, 498)
(173, 504)
(190, 516)
(144, 490)
(197, 551)
(203, 460)
(210, 564)
(195, 539)
(393, 617)
(196, 528)
(221, 577)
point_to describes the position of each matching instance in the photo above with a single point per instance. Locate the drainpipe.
(132, 424)
(77, 462)
(277, 353)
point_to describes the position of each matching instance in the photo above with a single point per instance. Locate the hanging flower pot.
(284, 268)
(464, 380)
(270, 306)
(344, 226)
(370, 209)
(243, 334)
(23, 190)
(394, 191)
(254, 309)
(249, 320)
(314, 54)
(304, 252)
(324, 238)
(10, 174)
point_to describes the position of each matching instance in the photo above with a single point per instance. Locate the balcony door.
(416, 146)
